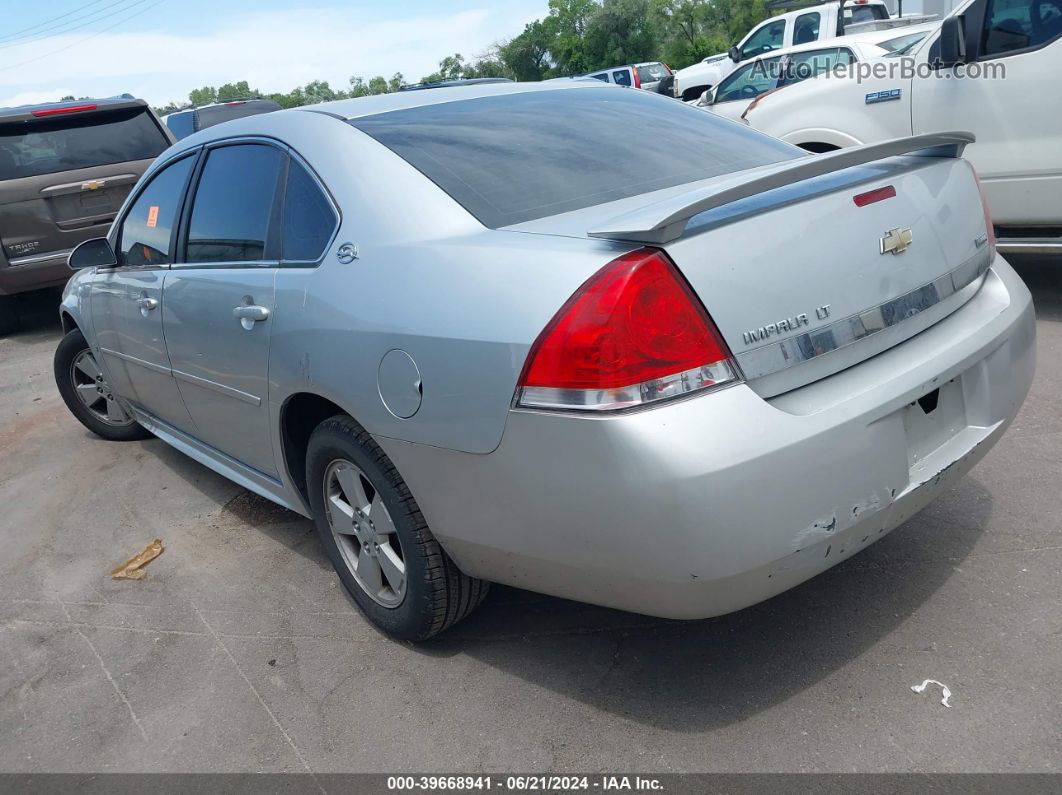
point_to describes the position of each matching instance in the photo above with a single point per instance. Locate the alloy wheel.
(95, 393)
(364, 533)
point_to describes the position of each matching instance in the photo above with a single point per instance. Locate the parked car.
(743, 88)
(647, 76)
(461, 81)
(806, 24)
(738, 90)
(498, 351)
(183, 123)
(65, 169)
(1017, 152)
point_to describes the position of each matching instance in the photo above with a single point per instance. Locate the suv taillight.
(633, 334)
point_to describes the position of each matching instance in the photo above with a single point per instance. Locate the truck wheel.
(377, 538)
(88, 395)
(9, 319)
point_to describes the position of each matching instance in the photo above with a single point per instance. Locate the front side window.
(144, 239)
(622, 77)
(749, 81)
(806, 28)
(1011, 26)
(233, 204)
(309, 219)
(766, 39)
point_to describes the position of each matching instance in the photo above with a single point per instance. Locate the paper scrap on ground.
(133, 569)
(946, 691)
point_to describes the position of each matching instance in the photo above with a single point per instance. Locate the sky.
(161, 49)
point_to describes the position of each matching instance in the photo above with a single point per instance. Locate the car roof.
(402, 100)
(25, 112)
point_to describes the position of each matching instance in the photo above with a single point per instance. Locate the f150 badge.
(883, 96)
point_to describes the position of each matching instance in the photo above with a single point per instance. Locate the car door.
(1015, 119)
(219, 298)
(126, 301)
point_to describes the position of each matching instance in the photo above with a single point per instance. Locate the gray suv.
(65, 169)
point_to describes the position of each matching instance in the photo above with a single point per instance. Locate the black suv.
(65, 169)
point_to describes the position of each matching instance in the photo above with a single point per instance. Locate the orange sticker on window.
(153, 216)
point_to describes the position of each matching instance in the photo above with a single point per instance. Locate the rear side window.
(621, 77)
(233, 204)
(517, 157)
(309, 219)
(145, 235)
(181, 124)
(78, 140)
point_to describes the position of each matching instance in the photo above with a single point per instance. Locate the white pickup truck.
(808, 23)
(989, 69)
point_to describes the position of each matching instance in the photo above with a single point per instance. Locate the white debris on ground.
(946, 690)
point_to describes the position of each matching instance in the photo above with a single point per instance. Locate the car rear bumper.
(34, 273)
(710, 504)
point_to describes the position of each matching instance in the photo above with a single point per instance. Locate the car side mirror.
(734, 53)
(952, 42)
(707, 98)
(95, 253)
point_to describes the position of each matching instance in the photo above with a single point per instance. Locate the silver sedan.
(571, 338)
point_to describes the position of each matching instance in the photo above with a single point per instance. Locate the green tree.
(233, 91)
(203, 96)
(527, 57)
(622, 31)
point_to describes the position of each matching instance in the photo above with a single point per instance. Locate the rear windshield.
(517, 157)
(856, 14)
(65, 143)
(651, 72)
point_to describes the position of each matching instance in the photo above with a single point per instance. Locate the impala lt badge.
(896, 241)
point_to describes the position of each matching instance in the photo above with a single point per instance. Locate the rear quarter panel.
(463, 301)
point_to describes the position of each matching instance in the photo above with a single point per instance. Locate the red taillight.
(61, 111)
(871, 196)
(632, 334)
(990, 229)
(637, 80)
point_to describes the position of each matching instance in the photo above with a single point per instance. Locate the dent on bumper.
(708, 505)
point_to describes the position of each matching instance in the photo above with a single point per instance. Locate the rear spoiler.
(664, 221)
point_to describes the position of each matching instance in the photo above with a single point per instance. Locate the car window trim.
(134, 197)
(186, 214)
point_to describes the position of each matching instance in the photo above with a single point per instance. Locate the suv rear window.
(651, 72)
(65, 143)
(513, 158)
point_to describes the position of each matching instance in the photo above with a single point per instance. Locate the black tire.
(70, 347)
(437, 594)
(9, 316)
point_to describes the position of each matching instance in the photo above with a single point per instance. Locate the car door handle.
(147, 304)
(249, 314)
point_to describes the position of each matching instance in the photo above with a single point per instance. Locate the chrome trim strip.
(35, 258)
(125, 357)
(830, 337)
(1029, 245)
(228, 391)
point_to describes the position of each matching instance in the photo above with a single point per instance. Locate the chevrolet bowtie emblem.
(93, 184)
(896, 241)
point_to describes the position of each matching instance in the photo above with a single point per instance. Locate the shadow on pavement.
(1043, 275)
(692, 676)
